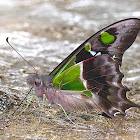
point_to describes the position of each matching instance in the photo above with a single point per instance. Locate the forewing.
(123, 32)
(115, 39)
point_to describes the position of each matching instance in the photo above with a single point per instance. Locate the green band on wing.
(87, 47)
(69, 79)
(106, 38)
(70, 63)
(88, 93)
(75, 85)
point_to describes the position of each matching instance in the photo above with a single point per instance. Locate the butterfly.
(90, 76)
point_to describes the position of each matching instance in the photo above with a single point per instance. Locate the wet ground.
(45, 32)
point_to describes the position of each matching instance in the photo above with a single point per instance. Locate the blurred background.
(44, 32)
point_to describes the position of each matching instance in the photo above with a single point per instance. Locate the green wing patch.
(106, 38)
(70, 80)
(87, 47)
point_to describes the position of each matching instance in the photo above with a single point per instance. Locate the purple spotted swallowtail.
(90, 76)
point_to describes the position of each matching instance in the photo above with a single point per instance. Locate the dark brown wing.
(124, 31)
(104, 80)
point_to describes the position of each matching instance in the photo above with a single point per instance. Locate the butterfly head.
(40, 83)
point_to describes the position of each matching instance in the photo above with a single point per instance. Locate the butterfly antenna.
(22, 101)
(22, 56)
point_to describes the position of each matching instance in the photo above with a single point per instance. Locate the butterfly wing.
(100, 80)
(97, 77)
(123, 33)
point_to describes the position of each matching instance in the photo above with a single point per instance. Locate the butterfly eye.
(38, 82)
